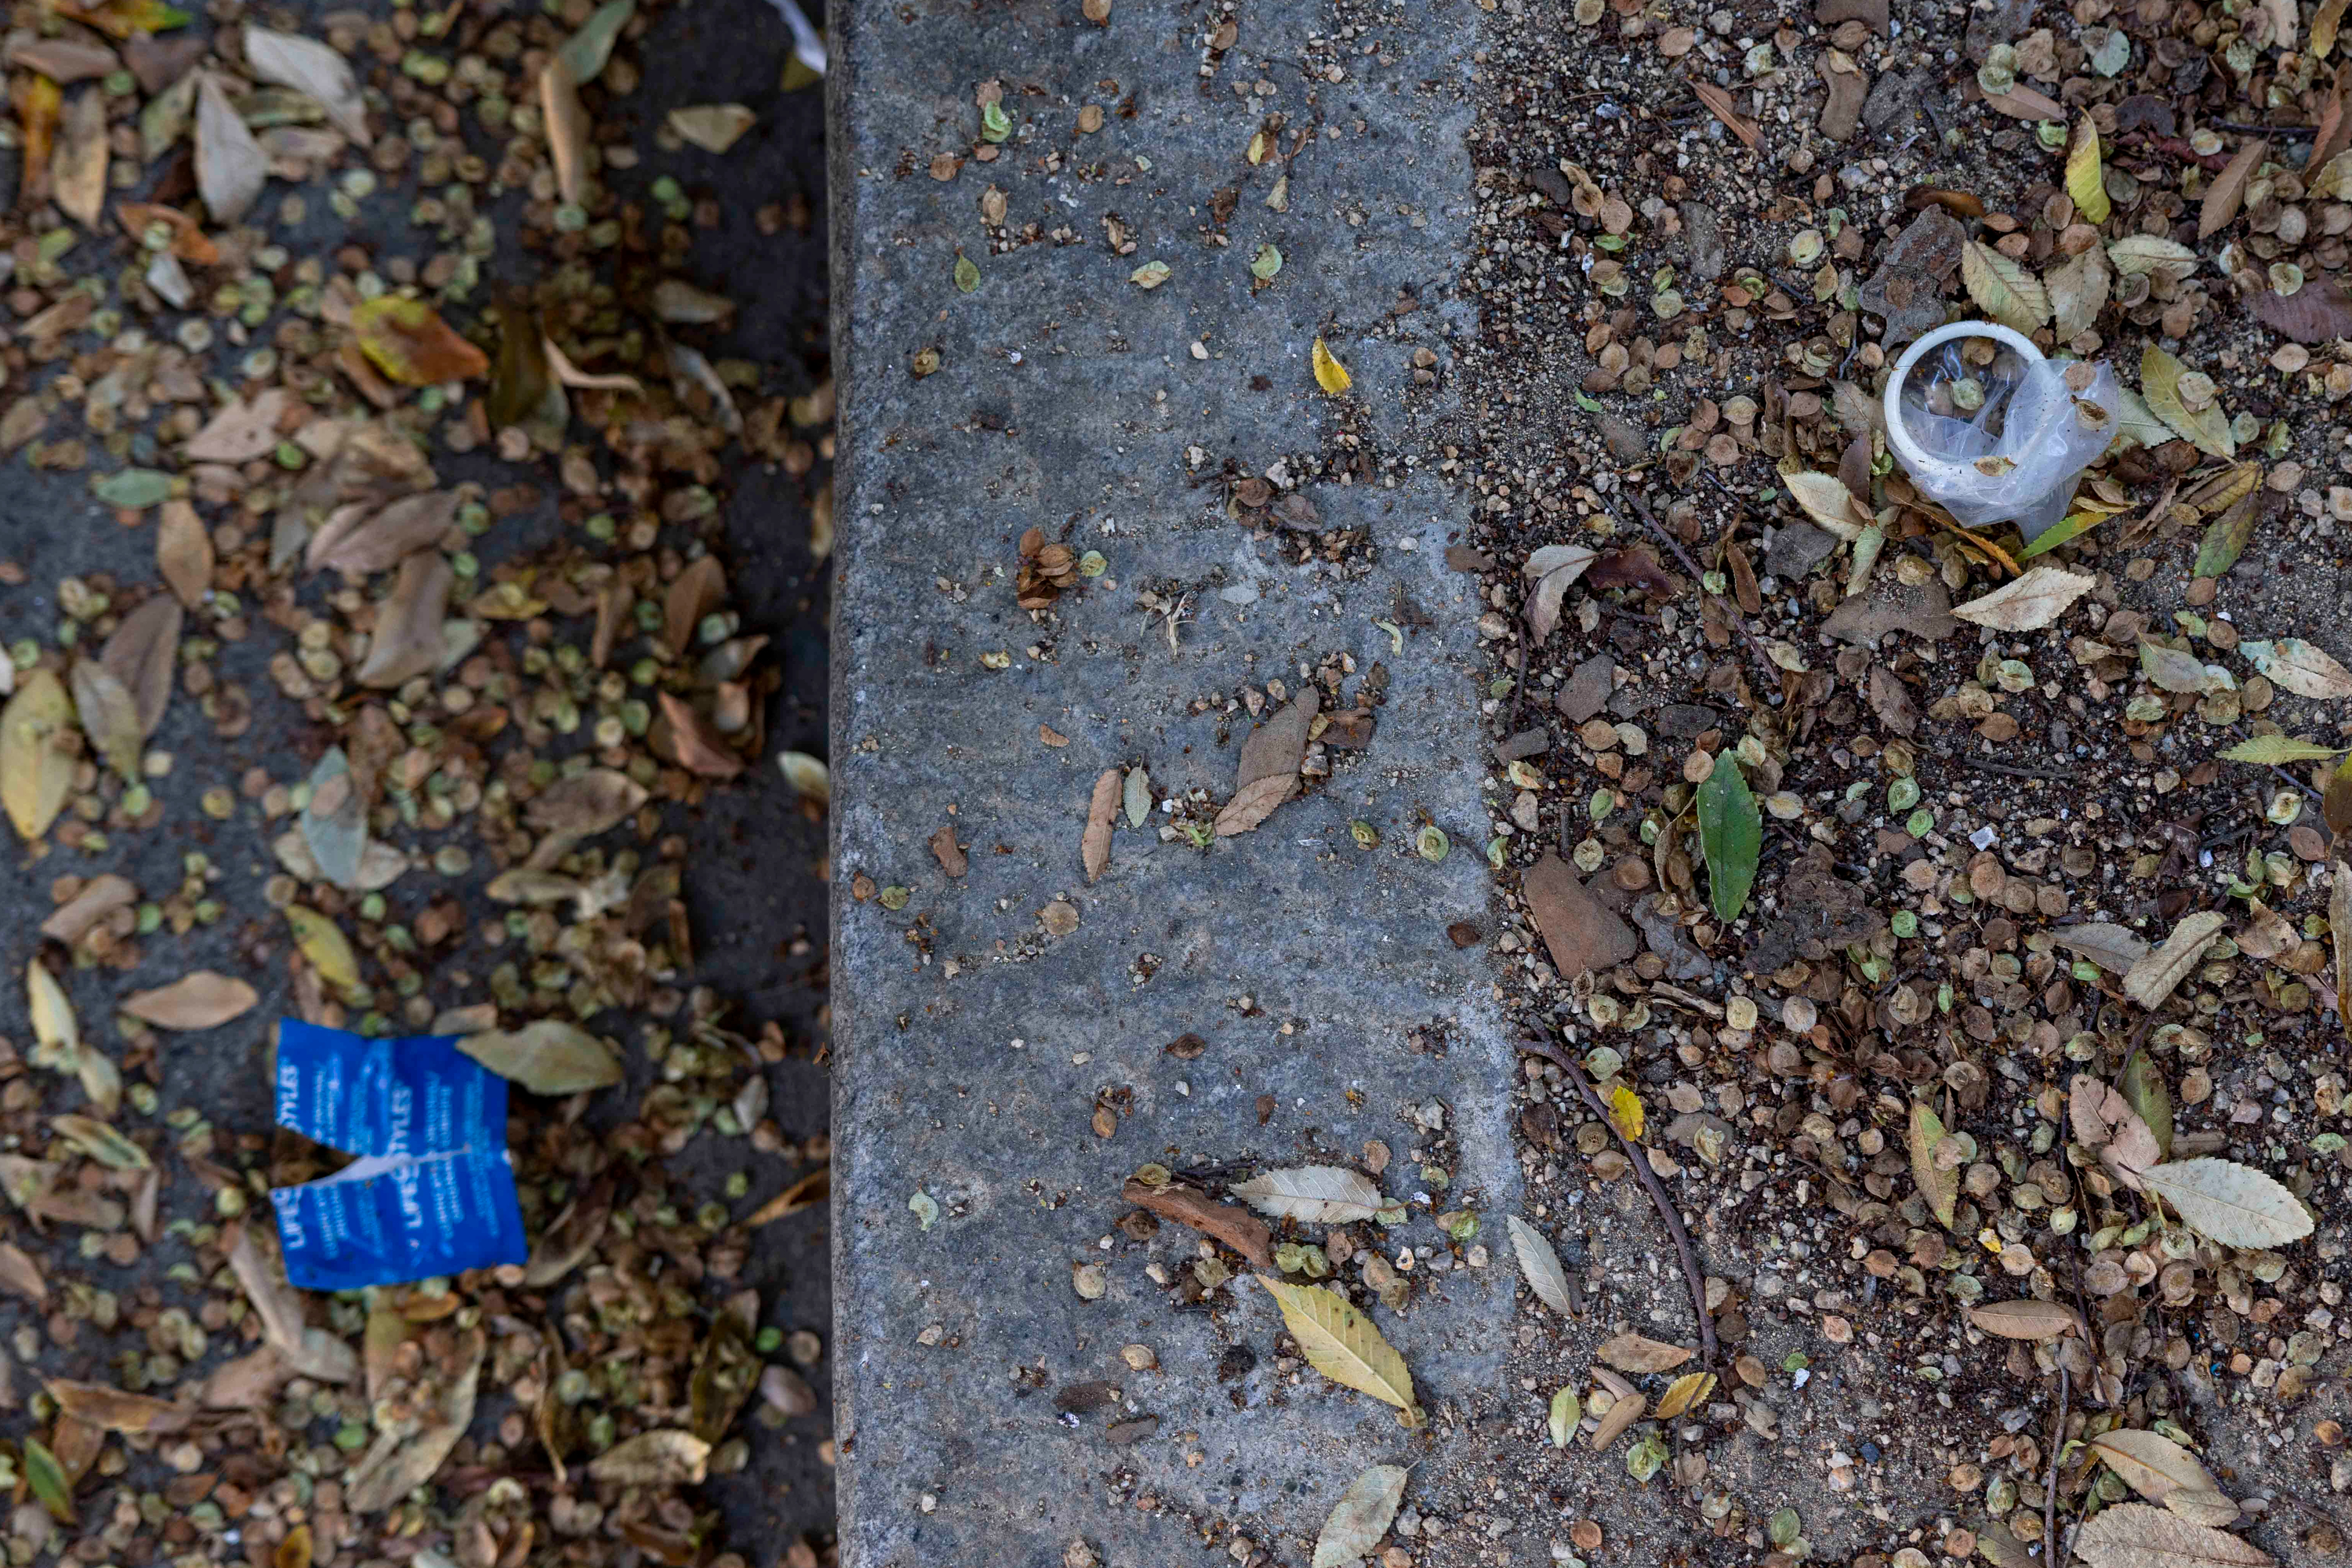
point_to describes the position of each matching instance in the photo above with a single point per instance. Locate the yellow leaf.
(294, 1551)
(1625, 1112)
(2003, 289)
(1329, 374)
(2085, 178)
(1341, 1342)
(1685, 1391)
(55, 1031)
(35, 776)
(2324, 27)
(324, 944)
(2159, 385)
(410, 342)
(121, 18)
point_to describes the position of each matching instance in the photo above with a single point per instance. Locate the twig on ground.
(1663, 1199)
(1731, 611)
(2014, 769)
(2054, 1552)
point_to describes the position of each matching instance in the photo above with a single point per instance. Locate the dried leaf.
(1939, 1187)
(112, 1410)
(56, 1034)
(2106, 1123)
(248, 1383)
(808, 775)
(2227, 193)
(144, 655)
(240, 432)
(21, 1276)
(1826, 499)
(2324, 27)
(36, 771)
(184, 553)
(1685, 1391)
(2078, 292)
(324, 944)
(64, 60)
(1341, 1342)
(702, 747)
(586, 804)
(571, 375)
(1625, 1112)
(1720, 104)
(77, 167)
(2025, 1319)
(312, 1352)
(566, 122)
(549, 1057)
(294, 1551)
(1329, 374)
(2086, 176)
(2339, 930)
(311, 68)
(401, 1459)
(1313, 1194)
(1268, 775)
(2112, 947)
(1567, 1413)
(2029, 603)
(665, 1457)
(334, 822)
(199, 1000)
(2296, 666)
(1361, 1517)
(2152, 979)
(2154, 256)
(2317, 312)
(695, 593)
(725, 1369)
(39, 104)
(407, 641)
(1540, 1265)
(2226, 536)
(1621, 1416)
(2208, 429)
(1094, 845)
(231, 167)
(1554, 569)
(408, 341)
(1229, 1223)
(2134, 1535)
(2175, 669)
(2003, 288)
(2152, 1464)
(108, 716)
(1634, 1353)
(586, 50)
(713, 127)
(1730, 835)
(2234, 1205)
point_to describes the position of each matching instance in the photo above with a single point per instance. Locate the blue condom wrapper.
(432, 1188)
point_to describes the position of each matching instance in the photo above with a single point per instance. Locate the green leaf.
(994, 126)
(2273, 751)
(133, 490)
(2226, 536)
(966, 274)
(2144, 1087)
(2061, 533)
(587, 50)
(47, 1479)
(1731, 835)
(1266, 262)
(1567, 1410)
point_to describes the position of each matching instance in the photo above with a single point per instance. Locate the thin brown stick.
(2053, 1551)
(1659, 1197)
(1731, 612)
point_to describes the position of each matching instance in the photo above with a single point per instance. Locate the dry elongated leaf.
(405, 1456)
(2112, 947)
(100, 897)
(21, 1276)
(1315, 1194)
(2319, 311)
(1940, 1187)
(324, 944)
(144, 655)
(2030, 603)
(1229, 1223)
(231, 167)
(1635, 1353)
(408, 341)
(2145, 1090)
(249, 1383)
(2104, 1121)
(713, 127)
(2227, 535)
(2002, 289)
(1720, 104)
(566, 121)
(2202, 1507)
(2155, 256)
(1685, 1391)
(1268, 775)
(2299, 668)
(201, 1000)
(2176, 669)
(1541, 1266)
(240, 432)
(2276, 751)
(1622, 1415)
(108, 716)
(312, 1352)
(36, 771)
(2152, 1464)
(1329, 374)
(1554, 569)
(77, 167)
(2339, 930)
(112, 1410)
(2087, 176)
(1826, 499)
(2079, 292)
(334, 822)
(184, 553)
(1361, 1517)
(586, 804)
(1094, 845)
(569, 374)
(1341, 1342)
(309, 67)
(63, 60)
(549, 1057)
(2325, 25)
(2234, 1205)
(2134, 1535)
(2227, 195)
(2206, 429)
(2152, 979)
(702, 747)
(694, 594)
(56, 1034)
(2025, 1319)
(666, 1456)
(407, 641)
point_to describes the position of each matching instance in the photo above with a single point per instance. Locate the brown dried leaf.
(1268, 775)
(2105, 1122)
(100, 897)
(2227, 193)
(144, 655)
(700, 748)
(112, 1410)
(2318, 312)
(240, 432)
(358, 538)
(810, 1191)
(184, 553)
(77, 167)
(251, 1382)
(109, 716)
(547, 1057)
(1229, 1223)
(20, 1275)
(566, 123)
(313, 1353)
(2025, 1319)
(1720, 104)
(947, 852)
(2134, 1535)
(231, 167)
(1634, 1353)
(1939, 1185)
(1094, 845)
(63, 60)
(202, 1000)
(586, 804)
(666, 1456)
(2153, 978)
(1622, 1415)
(309, 67)
(402, 1460)
(699, 590)
(2153, 1464)
(407, 641)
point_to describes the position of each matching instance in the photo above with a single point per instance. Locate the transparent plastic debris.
(1992, 431)
(808, 45)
